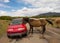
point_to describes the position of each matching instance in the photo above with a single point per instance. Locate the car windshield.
(16, 21)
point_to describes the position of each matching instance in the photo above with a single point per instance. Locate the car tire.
(8, 36)
(25, 34)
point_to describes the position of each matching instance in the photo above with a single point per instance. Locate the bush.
(6, 18)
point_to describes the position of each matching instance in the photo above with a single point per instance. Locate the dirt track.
(52, 35)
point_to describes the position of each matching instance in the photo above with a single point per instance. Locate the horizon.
(30, 16)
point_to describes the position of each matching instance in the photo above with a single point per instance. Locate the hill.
(49, 14)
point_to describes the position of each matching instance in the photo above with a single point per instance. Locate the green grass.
(3, 26)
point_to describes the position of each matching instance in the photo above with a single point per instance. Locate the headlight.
(20, 28)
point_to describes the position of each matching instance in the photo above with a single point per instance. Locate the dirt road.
(52, 35)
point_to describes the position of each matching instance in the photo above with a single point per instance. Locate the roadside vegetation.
(3, 26)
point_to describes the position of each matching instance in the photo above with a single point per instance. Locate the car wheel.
(8, 36)
(25, 34)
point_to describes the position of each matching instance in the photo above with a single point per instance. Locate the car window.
(17, 21)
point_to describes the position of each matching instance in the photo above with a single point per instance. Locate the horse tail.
(50, 22)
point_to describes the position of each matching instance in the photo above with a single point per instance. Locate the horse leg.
(43, 31)
(31, 30)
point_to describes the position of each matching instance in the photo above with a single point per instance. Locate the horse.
(57, 22)
(37, 23)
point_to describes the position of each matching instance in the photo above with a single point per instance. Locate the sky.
(28, 7)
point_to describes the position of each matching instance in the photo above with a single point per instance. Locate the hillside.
(49, 14)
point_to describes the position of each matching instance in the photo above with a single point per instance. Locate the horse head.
(26, 20)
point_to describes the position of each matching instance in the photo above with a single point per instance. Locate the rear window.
(16, 21)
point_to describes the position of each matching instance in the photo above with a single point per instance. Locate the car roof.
(18, 19)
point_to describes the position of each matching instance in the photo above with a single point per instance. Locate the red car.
(16, 28)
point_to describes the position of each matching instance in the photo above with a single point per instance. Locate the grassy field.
(3, 26)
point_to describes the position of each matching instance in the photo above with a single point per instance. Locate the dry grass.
(3, 26)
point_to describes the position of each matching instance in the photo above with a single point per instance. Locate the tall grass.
(3, 26)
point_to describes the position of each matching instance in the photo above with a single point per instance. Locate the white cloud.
(53, 4)
(4, 6)
(30, 11)
(3, 13)
(6, 1)
(27, 11)
(42, 3)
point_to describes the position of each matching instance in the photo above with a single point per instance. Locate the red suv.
(16, 28)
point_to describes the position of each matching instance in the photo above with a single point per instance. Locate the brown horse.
(37, 23)
(57, 22)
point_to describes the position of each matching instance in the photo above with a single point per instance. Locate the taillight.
(10, 29)
(21, 28)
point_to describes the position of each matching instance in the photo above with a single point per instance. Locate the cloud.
(31, 11)
(27, 11)
(40, 6)
(4, 6)
(53, 4)
(6, 1)
(42, 3)
(3, 13)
